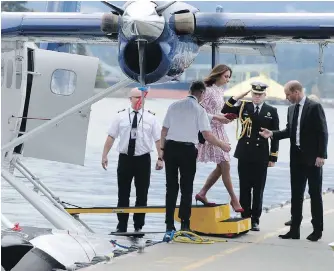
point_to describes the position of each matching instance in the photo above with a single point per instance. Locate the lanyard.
(130, 117)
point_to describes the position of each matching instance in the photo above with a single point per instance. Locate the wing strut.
(321, 56)
(214, 55)
(59, 118)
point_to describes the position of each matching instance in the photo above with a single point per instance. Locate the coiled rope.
(188, 237)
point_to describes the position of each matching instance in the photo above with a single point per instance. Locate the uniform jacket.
(313, 131)
(251, 146)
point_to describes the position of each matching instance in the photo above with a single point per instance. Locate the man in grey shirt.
(179, 136)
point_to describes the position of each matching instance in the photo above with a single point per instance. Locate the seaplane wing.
(54, 27)
(248, 28)
(219, 28)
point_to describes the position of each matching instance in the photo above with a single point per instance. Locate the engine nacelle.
(110, 23)
(165, 58)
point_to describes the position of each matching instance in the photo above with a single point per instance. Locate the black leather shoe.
(185, 225)
(118, 231)
(314, 236)
(170, 228)
(255, 227)
(290, 235)
(138, 235)
(288, 223)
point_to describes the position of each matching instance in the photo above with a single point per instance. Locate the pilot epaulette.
(121, 110)
(151, 112)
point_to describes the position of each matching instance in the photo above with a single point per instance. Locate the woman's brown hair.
(216, 73)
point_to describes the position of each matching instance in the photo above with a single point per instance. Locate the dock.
(258, 251)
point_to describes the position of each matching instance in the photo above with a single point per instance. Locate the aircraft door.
(60, 81)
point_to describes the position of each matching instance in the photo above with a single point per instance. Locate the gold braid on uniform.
(245, 124)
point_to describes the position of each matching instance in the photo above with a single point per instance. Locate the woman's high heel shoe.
(202, 199)
(240, 210)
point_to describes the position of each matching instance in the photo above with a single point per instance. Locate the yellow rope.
(245, 124)
(192, 238)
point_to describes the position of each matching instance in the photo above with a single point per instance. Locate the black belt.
(181, 143)
(145, 154)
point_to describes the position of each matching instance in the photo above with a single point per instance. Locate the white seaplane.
(45, 94)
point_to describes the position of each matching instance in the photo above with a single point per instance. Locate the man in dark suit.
(252, 150)
(307, 129)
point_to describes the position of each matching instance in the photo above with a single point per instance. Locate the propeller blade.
(119, 10)
(141, 54)
(162, 8)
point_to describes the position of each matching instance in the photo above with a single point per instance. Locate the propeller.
(117, 9)
(141, 54)
(162, 8)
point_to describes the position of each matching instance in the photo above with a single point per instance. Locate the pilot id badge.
(133, 133)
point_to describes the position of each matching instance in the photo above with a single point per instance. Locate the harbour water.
(91, 185)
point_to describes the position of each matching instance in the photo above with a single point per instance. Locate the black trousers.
(139, 168)
(252, 176)
(181, 157)
(300, 173)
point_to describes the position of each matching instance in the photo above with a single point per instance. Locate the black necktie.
(257, 110)
(294, 123)
(132, 141)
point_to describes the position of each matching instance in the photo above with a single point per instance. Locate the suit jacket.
(313, 131)
(251, 146)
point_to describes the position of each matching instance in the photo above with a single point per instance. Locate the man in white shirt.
(138, 129)
(179, 135)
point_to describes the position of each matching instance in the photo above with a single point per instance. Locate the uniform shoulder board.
(151, 112)
(121, 110)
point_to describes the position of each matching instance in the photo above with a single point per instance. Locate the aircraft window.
(63, 82)
(9, 73)
(18, 73)
(2, 71)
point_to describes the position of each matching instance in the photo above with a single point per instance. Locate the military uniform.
(252, 150)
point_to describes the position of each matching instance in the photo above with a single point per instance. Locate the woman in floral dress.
(213, 102)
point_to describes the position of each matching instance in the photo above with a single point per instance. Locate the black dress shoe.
(288, 223)
(255, 227)
(118, 231)
(138, 235)
(314, 236)
(185, 225)
(170, 228)
(290, 235)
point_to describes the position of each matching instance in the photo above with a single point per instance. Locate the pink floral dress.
(213, 102)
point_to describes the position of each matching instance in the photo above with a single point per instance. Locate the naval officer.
(179, 136)
(137, 129)
(252, 150)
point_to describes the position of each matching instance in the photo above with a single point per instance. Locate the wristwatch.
(160, 159)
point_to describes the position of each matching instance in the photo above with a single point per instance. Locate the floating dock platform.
(214, 220)
(254, 251)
